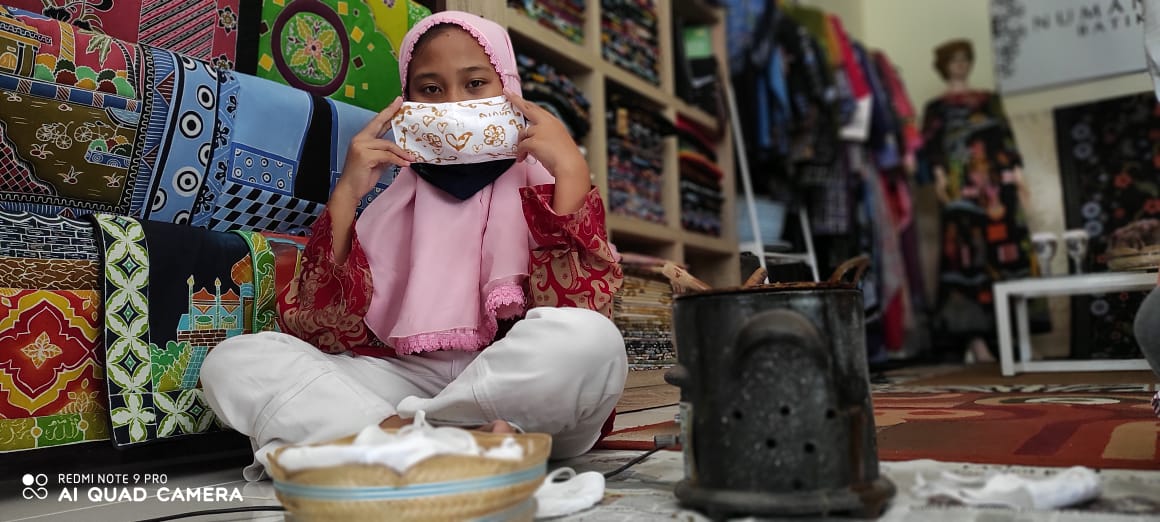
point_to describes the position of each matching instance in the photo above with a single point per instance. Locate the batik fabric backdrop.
(1109, 161)
(276, 259)
(204, 29)
(345, 49)
(51, 364)
(170, 294)
(159, 136)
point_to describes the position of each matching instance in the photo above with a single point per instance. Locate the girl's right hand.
(369, 155)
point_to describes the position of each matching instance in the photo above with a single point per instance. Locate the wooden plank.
(646, 397)
(643, 378)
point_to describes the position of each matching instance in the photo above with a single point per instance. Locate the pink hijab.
(444, 271)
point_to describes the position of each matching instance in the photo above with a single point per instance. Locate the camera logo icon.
(34, 486)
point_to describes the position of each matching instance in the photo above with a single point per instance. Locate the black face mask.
(462, 181)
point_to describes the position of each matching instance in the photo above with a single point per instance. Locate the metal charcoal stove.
(775, 400)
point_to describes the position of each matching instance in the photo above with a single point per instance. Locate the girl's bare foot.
(394, 422)
(497, 427)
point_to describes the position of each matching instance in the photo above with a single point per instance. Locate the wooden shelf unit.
(713, 259)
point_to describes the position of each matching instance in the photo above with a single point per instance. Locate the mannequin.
(969, 147)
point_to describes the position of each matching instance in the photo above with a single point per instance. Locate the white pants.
(558, 371)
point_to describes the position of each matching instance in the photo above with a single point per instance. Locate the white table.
(1020, 290)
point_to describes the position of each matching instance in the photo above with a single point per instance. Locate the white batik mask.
(472, 131)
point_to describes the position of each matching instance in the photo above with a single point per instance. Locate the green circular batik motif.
(312, 48)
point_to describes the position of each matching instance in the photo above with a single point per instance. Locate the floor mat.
(1100, 430)
(989, 373)
(644, 493)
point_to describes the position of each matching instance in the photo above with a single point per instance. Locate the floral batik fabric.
(277, 261)
(1107, 154)
(171, 294)
(984, 231)
(69, 118)
(347, 51)
(202, 29)
(51, 362)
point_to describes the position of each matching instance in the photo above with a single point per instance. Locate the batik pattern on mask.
(455, 133)
(51, 372)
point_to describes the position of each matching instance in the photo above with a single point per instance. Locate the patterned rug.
(1101, 430)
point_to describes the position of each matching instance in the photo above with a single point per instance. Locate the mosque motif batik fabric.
(171, 293)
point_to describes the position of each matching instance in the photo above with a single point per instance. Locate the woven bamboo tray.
(444, 487)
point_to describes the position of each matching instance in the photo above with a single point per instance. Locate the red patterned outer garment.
(571, 265)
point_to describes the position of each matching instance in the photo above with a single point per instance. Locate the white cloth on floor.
(399, 451)
(558, 371)
(1069, 487)
(556, 498)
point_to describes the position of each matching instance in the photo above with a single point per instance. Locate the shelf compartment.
(639, 42)
(532, 35)
(707, 244)
(639, 230)
(637, 158)
(559, 13)
(630, 81)
(697, 115)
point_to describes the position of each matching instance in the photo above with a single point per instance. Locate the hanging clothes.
(907, 120)
(984, 231)
(857, 126)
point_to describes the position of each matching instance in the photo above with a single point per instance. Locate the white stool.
(1020, 290)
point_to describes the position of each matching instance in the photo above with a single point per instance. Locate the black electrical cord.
(209, 512)
(660, 445)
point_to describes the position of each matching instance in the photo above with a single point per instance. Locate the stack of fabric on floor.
(643, 310)
(563, 16)
(555, 92)
(628, 33)
(701, 197)
(635, 160)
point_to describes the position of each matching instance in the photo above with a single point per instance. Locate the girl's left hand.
(548, 140)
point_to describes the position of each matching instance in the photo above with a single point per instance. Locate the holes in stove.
(809, 447)
(737, 415)
(797, 484)
(785, 411)
(771, 443)
(830, 413)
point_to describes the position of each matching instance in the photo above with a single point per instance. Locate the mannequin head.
(953, 60)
